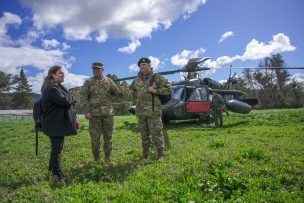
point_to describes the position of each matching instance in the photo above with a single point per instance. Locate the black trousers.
(55, 158)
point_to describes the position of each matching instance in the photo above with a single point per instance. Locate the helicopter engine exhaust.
(238, 106)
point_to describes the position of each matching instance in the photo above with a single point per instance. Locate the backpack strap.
(152, 80)
(150, 84)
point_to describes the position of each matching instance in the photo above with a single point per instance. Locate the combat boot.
(160, 154)
(108, 159)
(57, 176)
(96, 156)
(145, 153)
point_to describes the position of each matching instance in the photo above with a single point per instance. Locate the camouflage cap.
(97, 65)
(143, 60)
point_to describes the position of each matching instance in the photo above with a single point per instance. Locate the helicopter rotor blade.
(166, 73)
(127, 78)
(182, 70)
(257, 68)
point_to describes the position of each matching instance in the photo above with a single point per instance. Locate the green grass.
(257, 157)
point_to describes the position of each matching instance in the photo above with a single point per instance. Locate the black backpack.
(37, 114)
(164, 99)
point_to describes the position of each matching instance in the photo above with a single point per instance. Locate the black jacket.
(59, 117)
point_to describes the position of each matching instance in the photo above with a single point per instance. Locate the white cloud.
(133, 19)
(65, 46)
(31, 36)
(12, 58)
(53, 43)
(102, 36)
(155, 63)
(19, 53)
(298, 77)
(256, 50)
(226, 35)
(182, 58)
(7, 19)
(131, 47)
(133, 67)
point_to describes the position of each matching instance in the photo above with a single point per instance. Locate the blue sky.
(36, 34)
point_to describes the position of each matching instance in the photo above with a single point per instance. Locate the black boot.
(145, 152)
(160, 154)
(57, 176)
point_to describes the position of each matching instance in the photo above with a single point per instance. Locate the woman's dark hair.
(49, 77)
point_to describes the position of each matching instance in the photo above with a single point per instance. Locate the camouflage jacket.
(96, 96)
(143, 98)
(217, 102)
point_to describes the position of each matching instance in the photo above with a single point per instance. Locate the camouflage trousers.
(217, 115)
(151, 130)
(97, 126)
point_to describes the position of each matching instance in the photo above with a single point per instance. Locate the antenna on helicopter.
(231, 81)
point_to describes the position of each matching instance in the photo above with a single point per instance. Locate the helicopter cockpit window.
(177, 93)
(199, 94)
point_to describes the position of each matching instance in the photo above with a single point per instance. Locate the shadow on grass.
(186, 124)
(103, 173)
(84, 174)
(200, 125)
(236, 124)
(134, 128)
(129, 126)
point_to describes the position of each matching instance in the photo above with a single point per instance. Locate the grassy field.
(257, 157)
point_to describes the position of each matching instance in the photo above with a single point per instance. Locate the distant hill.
(35, 96)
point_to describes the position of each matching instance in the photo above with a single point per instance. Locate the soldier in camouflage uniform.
(149, 117)
(98, 109)
(217, 106)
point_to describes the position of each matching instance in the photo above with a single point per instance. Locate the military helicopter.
(191, 97)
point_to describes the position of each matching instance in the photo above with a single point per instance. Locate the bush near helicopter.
(191, 98)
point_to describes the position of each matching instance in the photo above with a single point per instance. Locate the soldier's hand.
(87, 115)
(151, 89)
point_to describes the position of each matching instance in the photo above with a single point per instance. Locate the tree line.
(21, 96)
(273, 87)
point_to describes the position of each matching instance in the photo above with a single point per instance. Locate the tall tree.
(273, 81)
(22, 98)
(5, 85)
(272, 84)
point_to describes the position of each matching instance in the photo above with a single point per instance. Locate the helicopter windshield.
(200, 94)
(177, 93)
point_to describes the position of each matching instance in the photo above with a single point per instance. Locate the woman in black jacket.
(59, 117)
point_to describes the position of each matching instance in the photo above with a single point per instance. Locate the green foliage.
(22, 98)
(5, 82)
(254, 158)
